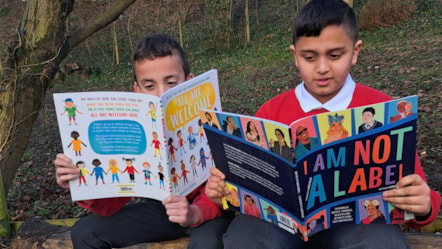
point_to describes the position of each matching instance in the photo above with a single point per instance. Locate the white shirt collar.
(339, 102)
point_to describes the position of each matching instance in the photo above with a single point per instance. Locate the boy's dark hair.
(318, 14)
(158, 45)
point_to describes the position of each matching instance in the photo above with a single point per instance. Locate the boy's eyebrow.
(166, 78)
(328, 51)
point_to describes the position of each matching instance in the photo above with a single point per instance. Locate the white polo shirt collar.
(339, 102)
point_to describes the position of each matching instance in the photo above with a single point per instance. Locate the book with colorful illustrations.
(321, 171)
(133, 144)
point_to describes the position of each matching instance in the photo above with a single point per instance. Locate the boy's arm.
(106, 206)
(209, 210)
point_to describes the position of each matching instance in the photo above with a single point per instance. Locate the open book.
(132, 144)
(321, 171)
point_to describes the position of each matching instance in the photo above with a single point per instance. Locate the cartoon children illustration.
(161, 176)
(336, 129)
(193, 165)
(191, 138)
(181, 142)
(172, 150)
(184, 172)
(130, 169)
(147, 173)
(113, 168)
(174, 178)
(157, 145)
(71, 109)
(201, 130)
(98, 171)
(203, 158)
(153, 113)
(76, 143)
(82, 172)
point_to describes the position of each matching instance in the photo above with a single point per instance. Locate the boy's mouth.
(323, 81)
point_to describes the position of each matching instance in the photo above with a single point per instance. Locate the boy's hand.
(180, 211)
(412, 193)
(215, 186)
(64, 170)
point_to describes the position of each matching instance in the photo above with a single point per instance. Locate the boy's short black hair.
(158, 45)
(318, 14)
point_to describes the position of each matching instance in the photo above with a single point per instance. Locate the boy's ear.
(136, 87)
(356, 49)
(190, 76)
(293, 51)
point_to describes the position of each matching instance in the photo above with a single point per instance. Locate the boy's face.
(158, 75)
(325, 61)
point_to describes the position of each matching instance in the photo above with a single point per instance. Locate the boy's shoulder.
(365, 95)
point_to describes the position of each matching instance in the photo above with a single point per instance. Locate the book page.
(186, 144)
(108, 136)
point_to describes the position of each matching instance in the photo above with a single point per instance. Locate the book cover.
(321, 171)
(133, 144)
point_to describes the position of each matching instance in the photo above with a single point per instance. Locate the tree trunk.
(34, 57)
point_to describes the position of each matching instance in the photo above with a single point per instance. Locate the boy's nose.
(322, 66)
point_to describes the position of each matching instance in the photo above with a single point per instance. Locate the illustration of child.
(191, 138)
(184, 172)
(193, 165)
(181, 142)
(147, 173)
(153, 113)
(71, 109)
(76, 143)
(203, 158)
(130, 169)
(201, 130)
(174, 178)
(161, 176)
(172, 150)
(113, 168)
(157, 145)
(98, 171)
(81, 172)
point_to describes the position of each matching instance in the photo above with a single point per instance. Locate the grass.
(401, 60)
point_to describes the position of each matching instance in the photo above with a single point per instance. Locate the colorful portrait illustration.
(334, 126)
(304, 137)
(231, 126)
(373, 211)
(279, 141)
(316, 224)
(402, 108)
(253, 132)
(250, 205)
(210, 119)
(232, 198)
(371, 117)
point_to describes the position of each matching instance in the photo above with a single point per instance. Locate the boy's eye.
(335, 56)
(172, 83)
